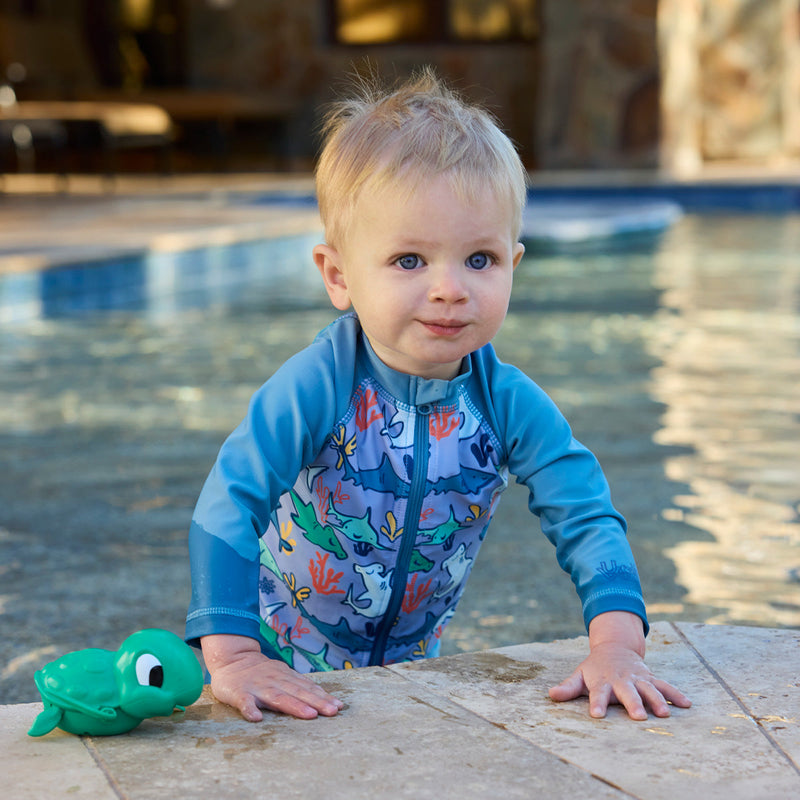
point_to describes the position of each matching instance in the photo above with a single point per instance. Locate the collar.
(413, 389)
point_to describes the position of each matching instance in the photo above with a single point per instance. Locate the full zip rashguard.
(343, 516)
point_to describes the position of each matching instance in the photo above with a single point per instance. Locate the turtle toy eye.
(149, 671)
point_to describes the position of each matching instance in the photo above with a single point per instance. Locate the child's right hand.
(243, 677)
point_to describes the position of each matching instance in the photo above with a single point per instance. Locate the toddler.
(342, 517)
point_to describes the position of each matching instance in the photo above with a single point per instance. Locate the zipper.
(416, 496)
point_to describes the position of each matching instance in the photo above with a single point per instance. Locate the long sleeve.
(286, 424)
(568, 492)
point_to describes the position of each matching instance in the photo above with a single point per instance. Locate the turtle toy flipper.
(46, 721)
(102, 693)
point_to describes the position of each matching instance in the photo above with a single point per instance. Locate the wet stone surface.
(482, 666)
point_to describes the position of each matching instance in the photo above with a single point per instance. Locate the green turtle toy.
(102, 693)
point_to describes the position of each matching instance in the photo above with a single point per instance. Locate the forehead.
(466, 189)
(429, 212)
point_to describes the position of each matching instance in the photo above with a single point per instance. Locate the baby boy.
(342, 517)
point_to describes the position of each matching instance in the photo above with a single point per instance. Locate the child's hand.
(242, 677)
(615, 672)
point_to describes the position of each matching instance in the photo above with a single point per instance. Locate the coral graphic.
(285, 542)
(298, 594)
(443, 423)
(342, 447)
(297, 630)
(390, 529)
(415, 595)
(325, 496)
(367, 410)
(324, 581)
(475, 513)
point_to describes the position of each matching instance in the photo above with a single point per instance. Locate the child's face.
(429, 274)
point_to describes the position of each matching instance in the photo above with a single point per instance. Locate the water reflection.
(728, 337)
(675, 359)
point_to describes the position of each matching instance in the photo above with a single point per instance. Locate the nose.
(448, 284)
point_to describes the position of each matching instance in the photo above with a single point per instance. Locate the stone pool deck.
(476, 725)
(41, 227)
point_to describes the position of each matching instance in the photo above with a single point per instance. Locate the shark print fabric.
(343, 516)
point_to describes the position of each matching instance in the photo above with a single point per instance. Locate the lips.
(444, 327)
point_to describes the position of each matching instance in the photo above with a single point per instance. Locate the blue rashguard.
(342, 517)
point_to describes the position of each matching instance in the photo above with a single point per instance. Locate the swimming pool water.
(676, 359)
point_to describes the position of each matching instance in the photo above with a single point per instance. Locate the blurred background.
(212, 85)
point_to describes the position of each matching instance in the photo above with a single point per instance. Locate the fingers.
(635, 694)
(631, 694)
(242, 701)
(599, 700)
(570, 688)
(274, 686)
(673, 695)
(299, 697)
(246, 706)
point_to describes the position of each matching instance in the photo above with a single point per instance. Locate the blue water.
(675, 356)
(272, 272)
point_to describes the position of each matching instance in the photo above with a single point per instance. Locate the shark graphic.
(383, 478)
(458, 566)
(377, 582)
(441, 533)
(323, 536)
(356, 529)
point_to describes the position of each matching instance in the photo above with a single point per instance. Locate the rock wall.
(599, 99)
(606, 84)
(285, 48)
(731, 82)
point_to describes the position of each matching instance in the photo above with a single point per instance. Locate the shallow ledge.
(480, 724)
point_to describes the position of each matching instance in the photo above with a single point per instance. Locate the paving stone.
(56, 765)
(712, 750)
(467, 726)
(760, 667)
(389, 741)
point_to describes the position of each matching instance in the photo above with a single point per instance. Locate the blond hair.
(419, 130)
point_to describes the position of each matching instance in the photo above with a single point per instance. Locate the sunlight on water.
(728, 337)
(675, 359)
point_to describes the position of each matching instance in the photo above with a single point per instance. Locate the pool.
(675, 356)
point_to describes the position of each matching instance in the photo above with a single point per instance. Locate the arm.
(570, 495)
(242, 677)
(286, 424)
(615, 672)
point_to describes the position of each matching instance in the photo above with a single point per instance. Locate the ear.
(328, 263)
(516, 254)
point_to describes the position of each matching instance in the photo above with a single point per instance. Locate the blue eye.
(478, 261)
(409, 261)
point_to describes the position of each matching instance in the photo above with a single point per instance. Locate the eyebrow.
(483, 243)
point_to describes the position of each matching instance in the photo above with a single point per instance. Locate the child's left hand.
(615, 672)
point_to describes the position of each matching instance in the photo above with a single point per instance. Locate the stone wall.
(599, 98)
(283, 48)
(731, 82)
(608, 84)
